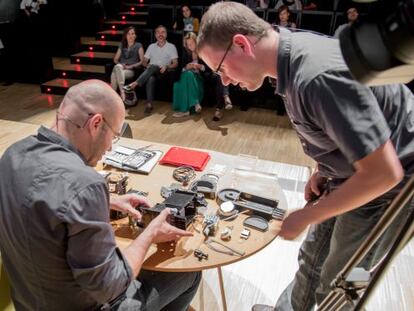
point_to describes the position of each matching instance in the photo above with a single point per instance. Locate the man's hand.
(315, 186)
(163, 69)
(161, 231)
(295, 223)
(127, 203)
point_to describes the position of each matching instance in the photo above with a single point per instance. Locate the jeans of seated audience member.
(148, 78)
(188, 91)
(329, 246)
(221, 91)
(158, 290)
(119, 75)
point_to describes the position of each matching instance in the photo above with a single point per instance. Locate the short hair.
(223, 20)
(160, 26)
(283, 8)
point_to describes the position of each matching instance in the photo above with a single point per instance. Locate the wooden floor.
(262, 277)
(258, 132)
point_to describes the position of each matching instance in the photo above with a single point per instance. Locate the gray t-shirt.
(130, 56)
(56, 242)
(338, 120)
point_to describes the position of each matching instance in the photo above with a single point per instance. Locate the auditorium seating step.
(92, 58)
(133, 16)
(64, 69)
(123, 24)
(91, 44)
(58, 86)
(109, 35)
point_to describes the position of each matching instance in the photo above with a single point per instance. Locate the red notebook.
(180, 156)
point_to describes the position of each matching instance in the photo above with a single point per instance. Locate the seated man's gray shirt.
(56, 242)
(338, 120)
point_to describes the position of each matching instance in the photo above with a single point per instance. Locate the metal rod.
(223, 293)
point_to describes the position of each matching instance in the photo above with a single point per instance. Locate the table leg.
(223, 294)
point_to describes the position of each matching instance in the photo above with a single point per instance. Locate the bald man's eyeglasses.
(62, 116)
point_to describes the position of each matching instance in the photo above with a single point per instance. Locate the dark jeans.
(328, 247)
(149, 78)
(159, 291)
(221, 91)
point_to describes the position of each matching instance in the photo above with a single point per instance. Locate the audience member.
(284, 17)
(352, 15)
(187, 23)
(161, 57)
(223, 98)
(349, 129)
(31, 7)
(291, 4)
(56, 242)
(253, 4)
(188, 91)
(128, 59)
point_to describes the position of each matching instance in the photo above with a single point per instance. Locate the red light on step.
(65, 83)
(141, 1)
(113, 27)
(78, 60)
(102, 37)
(48, 89)
(132, 9)
(123, 17)
(64, 74)
(91, 48)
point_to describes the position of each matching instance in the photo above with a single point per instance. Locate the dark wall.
(30, 43)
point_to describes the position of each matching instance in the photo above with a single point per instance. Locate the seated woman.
(189, 90)
(284, 17)
(187, 23)
(128, 58)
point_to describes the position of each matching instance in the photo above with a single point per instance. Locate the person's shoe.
(217, 115)
(180, 114)
(148, 109)
(259, 307)
(198, 108)
(227, 103)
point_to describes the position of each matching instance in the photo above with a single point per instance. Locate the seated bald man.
(56, 242)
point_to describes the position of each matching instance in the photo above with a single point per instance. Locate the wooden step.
(91, 44)
(137, 6)
(122, 24)
(92, 58)
(64, 69)
(109, 35)
(133, 16)
(58, 86)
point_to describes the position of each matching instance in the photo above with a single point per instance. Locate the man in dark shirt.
(360, 137)
(56, 242)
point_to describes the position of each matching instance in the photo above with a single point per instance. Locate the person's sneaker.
(217, 116)
(180, 114)
(259, 307)
(227, 103)
(127, 88)
(198, 108)
(148, 109)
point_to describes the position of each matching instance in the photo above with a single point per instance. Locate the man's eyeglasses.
(116, 135)
(217, 71)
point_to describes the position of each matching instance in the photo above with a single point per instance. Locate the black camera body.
(183, 205)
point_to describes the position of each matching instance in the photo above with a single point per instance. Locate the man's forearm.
(136, 251)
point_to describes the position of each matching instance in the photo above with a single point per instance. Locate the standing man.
(162, 57)
(361, 138)
(56, 242)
